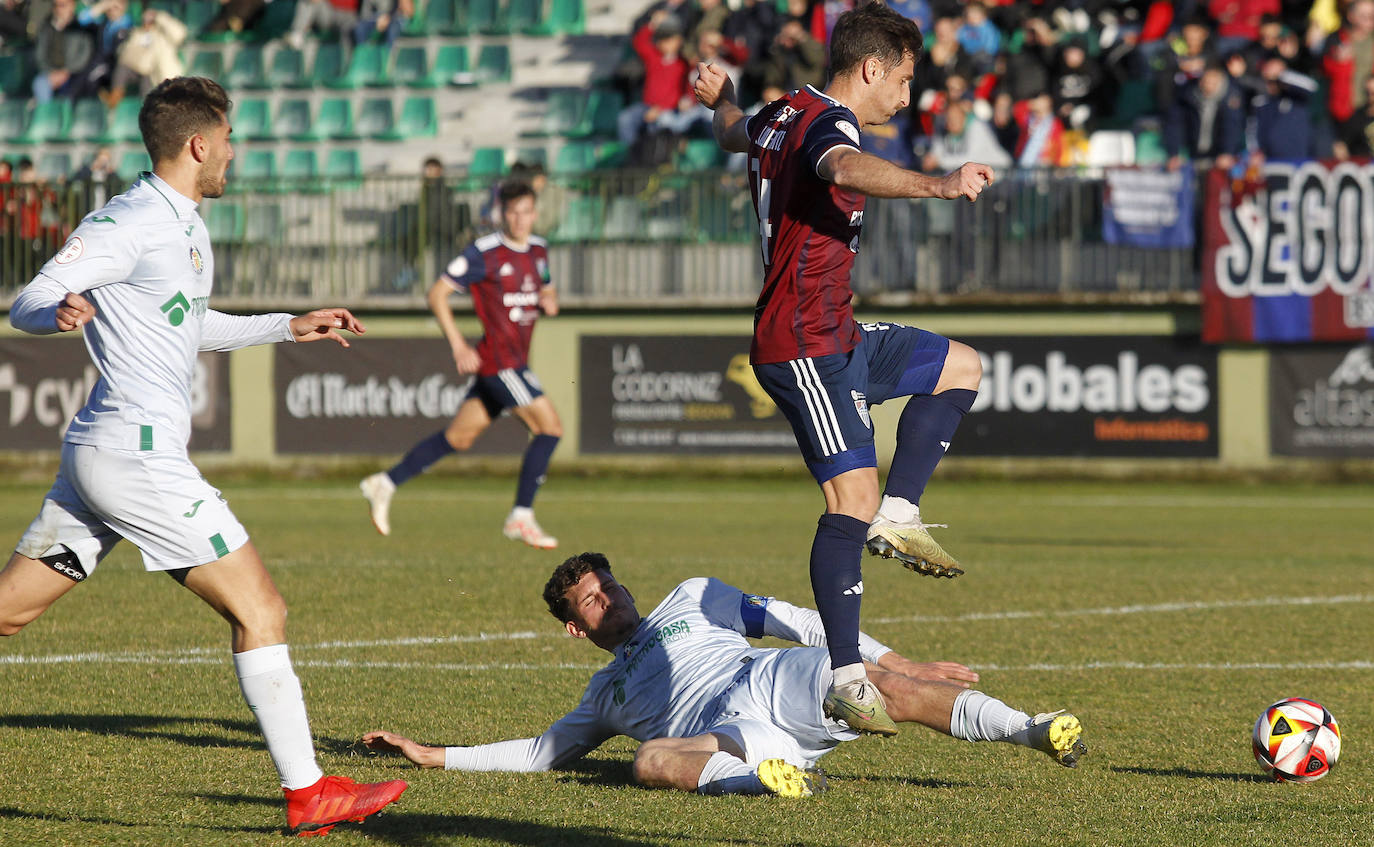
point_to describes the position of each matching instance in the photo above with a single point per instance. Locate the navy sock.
(420, 457)
(924, 432)
(533, 468)
(835, 569)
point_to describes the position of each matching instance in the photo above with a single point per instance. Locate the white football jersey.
(144, 261)
(665, 678)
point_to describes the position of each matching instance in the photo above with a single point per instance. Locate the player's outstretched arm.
(876, 177)
(931, 671)
(325, 323)
(390, 742)
(714, 90)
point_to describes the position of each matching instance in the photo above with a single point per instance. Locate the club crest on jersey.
(197, 261)
(71, 251)
(861, 406)
(542, 266)
(506, 269)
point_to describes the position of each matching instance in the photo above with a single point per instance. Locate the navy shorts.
(505, 390)
(826, 398)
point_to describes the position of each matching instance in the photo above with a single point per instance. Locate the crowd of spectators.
(1029, 82)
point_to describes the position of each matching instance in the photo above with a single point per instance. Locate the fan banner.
(676, 394)
(380, 398)
(1321, 401)
(1288, 251)
(1107, 395)
(45, 381)
(1148, 207)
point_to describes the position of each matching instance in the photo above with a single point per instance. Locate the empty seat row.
(498, 17)
(294, 169)
(297, 119)
(366, 66)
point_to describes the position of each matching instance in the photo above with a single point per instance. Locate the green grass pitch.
(1165, 615)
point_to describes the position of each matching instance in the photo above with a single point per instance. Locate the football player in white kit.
(135, 278)
(718, 715)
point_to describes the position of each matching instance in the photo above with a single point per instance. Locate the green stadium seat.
(700, 154)
(567, 17)
(55, 165)
(450, 66)
(411, 68)
(488, 17)
(335, 119)
(581, 222)
(376, 118)
(487, 163)
(418, 25)
(575, 157)
(224, 221)
(418, 119)
(287, 69)
(599, 116)
(275, 21)
(302, 169)
(1149, 149)
(612, 154)
(89, 120)
(525, 16)
(48, 122)
(196, 14)
(446, 17)
(133, 163)
(255, 165)
(207, 63)
(562, 111)
(15, 75)
(13, 115)
(366, 68)
(344, 165)
(624, 220)
(493, 63)
(292, 120)
(122, 125)
(532, 156)
(248, 69)
(328, 65)
(253, 119)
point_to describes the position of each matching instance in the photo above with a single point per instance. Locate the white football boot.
(378, 489)
(525, 528)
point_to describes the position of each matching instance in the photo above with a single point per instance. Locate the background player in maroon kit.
(809, 178)
(507, 274)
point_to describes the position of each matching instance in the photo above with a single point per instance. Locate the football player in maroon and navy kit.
(809, 177)
(507, 274)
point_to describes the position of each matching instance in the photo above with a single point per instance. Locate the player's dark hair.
(568, 574)
(177, 109)
(512, 190)
(872, 30)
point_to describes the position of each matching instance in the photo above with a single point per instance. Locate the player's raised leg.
(924, 432)
(471, 421)
(240, 589)
(974, 716)
(541, 418)
(710, 764)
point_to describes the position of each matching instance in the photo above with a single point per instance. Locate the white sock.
(522, 513)
(847, 674)
(899, 510)
(725, 774)
(273, 693)
(978, 717)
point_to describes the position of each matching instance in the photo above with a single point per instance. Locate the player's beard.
(211, 180)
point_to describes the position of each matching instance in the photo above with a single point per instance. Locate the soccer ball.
(1297, 740)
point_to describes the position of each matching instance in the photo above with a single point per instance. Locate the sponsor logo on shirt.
(71, 251)
(507, 269)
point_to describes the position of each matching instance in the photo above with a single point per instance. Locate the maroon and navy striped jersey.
(505, 284)
(808, 227)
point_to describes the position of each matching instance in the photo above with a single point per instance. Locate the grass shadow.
(1187, 773)
(419, 830)
(161, 727)
(11, 813)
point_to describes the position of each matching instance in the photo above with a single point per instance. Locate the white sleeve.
(570, 738)
(35, 309)
(230, 332)
(794, 623)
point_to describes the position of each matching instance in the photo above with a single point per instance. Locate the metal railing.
(625, 238)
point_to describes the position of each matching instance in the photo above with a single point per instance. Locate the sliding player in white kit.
(135, 277)
(718, 715)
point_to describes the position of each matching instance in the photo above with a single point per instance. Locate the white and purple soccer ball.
(1297, 740)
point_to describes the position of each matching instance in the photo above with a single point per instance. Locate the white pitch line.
(1357, 665)
(1186, 606)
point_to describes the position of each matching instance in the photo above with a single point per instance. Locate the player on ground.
(716, 714)
(507, 274)
(136, 278)
(822, 368)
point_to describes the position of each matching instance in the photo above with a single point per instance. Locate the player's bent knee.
(650, 760)
(963, 367)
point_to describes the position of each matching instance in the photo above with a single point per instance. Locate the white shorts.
(157, 500)
(775, 710)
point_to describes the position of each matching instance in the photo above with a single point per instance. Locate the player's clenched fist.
(969, 181)
(712, 86)
(74, 311)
